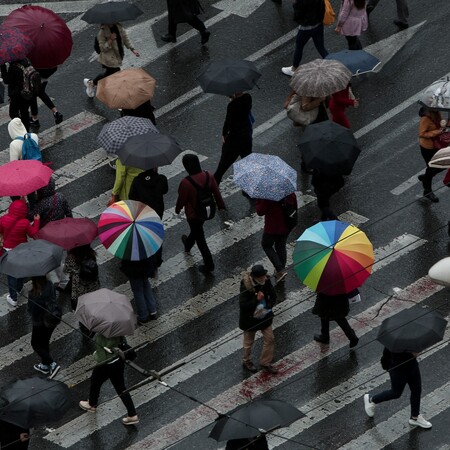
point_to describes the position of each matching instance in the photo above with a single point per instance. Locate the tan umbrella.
(441, 159)
(126, 89)
(320, 78)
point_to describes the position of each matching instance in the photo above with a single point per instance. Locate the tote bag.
(329, 16)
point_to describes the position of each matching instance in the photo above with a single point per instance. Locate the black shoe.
(183, 240)
(321, 339)
(205, 270)
(250, 366)
(58, 117)
(401, 25)
(34, 125)
(354, 342)
(168, 38)
(269, 369)
(205, 37)
(430, 196)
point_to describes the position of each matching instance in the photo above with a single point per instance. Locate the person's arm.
(216, 193)
(182, 197)
(427, 129)
(33, 228)
(342, 98)
(343, 15)
(310, 103)
(126, 41)
(164, 185)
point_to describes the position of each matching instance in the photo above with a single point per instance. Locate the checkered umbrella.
(116, 133)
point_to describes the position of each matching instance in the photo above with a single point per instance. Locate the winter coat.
(109, 53)
(15, 226)
(308, 13)
(331, 307)
(142, 269)
(37, 303)
(248, 302)
(340, 100)
(101, 355)
(13, 76)
(274, 220)
(352, 21)
(124, 178)
(403, 361)
(427, 131)
(17, 129)
(181, 11)
(237, 121)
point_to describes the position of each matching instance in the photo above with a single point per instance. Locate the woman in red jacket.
(338, 103)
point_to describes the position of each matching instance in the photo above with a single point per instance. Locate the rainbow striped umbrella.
(131, 230)
(333, 257)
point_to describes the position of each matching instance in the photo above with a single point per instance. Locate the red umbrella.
(69, 232)
(14, 44)
(23, 177)
(50, 34)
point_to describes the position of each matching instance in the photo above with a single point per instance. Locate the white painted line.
(353, 218)
(408, 184)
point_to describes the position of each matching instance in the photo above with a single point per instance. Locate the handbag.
(442, 140)
(130, 355)
(298, 115)
(329, 16)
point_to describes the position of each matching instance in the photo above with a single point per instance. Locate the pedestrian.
(309, 15)
(325, 186)
(13, 437)
(254, 443)
(403, 370)
(16, 129)
(188, 198)
(15, 228)
(338, 103)
(122, 184)
(110, 367)
(112, 38)
(237, 132)
(40, 296)
(256, 300)
(185, 11)
(145, 110)
(430, 126)
(402, 12)
(352, 21)
(276, 232)
(333, 307)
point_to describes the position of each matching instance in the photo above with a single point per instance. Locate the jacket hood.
(192, 164)
(18, 209)
(16, 128)
(47, 191)
(247, 280)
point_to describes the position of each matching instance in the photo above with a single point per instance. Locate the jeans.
(195, 22)
(197, 235)
(143, 297)
(303, 36)
(430, 172)
(343, 323)
(40, 342)
(15, 285)
(232, 148)
(108, 71)
(268, 345)
(274, 246)
(402, 9)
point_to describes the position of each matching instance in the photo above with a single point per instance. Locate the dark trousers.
(231, 150)
(197, 236)
(115, 373)
(402, 9)
(44, 97)
(18, 107)
(323, 202)
(40, 342)
(430, 172)
(303, 36)
(401, 377)
(195, 22)
(274, 246)
(343, 323)
(108, 71)
(353, 43)
(15, 285)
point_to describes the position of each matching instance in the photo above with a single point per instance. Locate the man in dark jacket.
(325, 186)
(256, 300)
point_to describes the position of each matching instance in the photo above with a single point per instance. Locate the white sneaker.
(420, 422)
(287, 71)
(369, 406)
(90, 88)
(11, 301)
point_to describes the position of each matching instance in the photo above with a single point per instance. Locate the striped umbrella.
(131, 230)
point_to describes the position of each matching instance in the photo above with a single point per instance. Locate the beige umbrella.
(320, 78)
(126, 89)
(441, 159)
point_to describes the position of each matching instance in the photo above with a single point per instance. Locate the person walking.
(112, 38)
(188, 198)
(333, 307)
(254, 443)
(352, 21)
(236, 133)
(13, 437)
(125, 176)
(40, 296)
(325, 186)
(402, 12)
(339, 102)
(146, 110)
(256, 300)
(309, 14)
(185, 11)
(110, 367)
(403, 370)
(16, 129)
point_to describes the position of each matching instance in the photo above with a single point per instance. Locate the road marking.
(408, 184)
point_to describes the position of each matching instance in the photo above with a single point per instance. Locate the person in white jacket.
(17, 129)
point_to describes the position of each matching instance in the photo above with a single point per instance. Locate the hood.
(18, 209)
(16, 128)
(192, 164)
(47, 191)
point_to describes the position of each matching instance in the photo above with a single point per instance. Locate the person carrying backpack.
(188, 198)
(19, 148)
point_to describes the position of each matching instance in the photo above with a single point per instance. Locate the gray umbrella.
(437, 96)
(31, 259)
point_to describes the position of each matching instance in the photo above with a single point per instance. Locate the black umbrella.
(228, 76)
(149, 150)
(330, 148)
(34, 401)
(255, 418)
(412, 330)
(112, 12)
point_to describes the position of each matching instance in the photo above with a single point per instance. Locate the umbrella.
(333, 257)
(106, 312)
(320, 78)
(34, 402)
(329, 147)
(14, 44)
(116, 133)
(146, 151)
(111, 12)
(440, 272)
(131, 230)
(228, 76)
(51, 36)
(68, 233)
(254, 418)
(412, 330)
(437, 96)
(31, 259)
(358, 61)
(441, 159)
(126, 89)
(23, 177)
(265, 176)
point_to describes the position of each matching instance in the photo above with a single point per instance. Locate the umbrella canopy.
(116, 133)
(131, 230)
(437, 96)
(333, 257)
(69, 232)
(147, 151)
(412, 330)
(126, 89)
(265, 176)
(106, 312)
(228, 76)
(31, 259)
(320, 78)
(357, 61)
(440, 272)
(329, 147)
(254, 418)
(51, 36)
(441, 159)
(34, 402)
(14, 44)
(111, 12)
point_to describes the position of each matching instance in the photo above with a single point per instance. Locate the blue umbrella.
(265, 176)
(357, 61)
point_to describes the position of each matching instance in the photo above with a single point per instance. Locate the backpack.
(290, 213)
(89, 269)
(206, 206)
(96, 45)
(30, 149)
(53, 314)
(31, 82)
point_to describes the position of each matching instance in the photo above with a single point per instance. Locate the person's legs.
(325, 329)
(99, 376)
(301, 40)
(353, 43)
(108, 71)
(402, 11)
(318, 39)
(198, 235)
(415, 385)
(268, 347)
(150, 300)
(249, 339)
(267, 243)
(338, 116)
(116, 375)
(398, 383)
(40, 342)
(430, 172)
(280, 248)
(349, 331)
(15, 285)
(227, 158)
(196, 23)
(137, 286)
(172, 27)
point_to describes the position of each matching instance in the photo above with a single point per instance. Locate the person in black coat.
(325, 186)
(13, 437)
(145, 110)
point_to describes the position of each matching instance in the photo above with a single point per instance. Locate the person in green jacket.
(124, 178)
